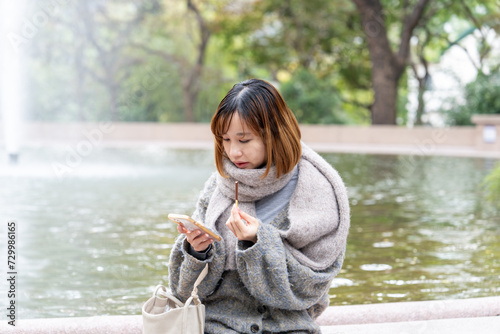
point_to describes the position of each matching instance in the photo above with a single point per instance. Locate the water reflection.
(427, 221)
(97, 241)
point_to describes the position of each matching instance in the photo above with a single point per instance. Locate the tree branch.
(472, 17)
(477, 67)
(409, 24)
(89, 27)
(94, 75)
(356, 103)
(194, 76)
(162, 54)
(204, 32)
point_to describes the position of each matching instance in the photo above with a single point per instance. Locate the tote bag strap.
(194, 296)
(162, 292)
(202, 276)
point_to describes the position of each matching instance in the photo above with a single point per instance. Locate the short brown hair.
(262, 108)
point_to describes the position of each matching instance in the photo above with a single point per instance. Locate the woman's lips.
(240, 164)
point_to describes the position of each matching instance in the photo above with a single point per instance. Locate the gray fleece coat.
(279, 284)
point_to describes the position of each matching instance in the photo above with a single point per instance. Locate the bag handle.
(194, 293)
(164, 294)
(161, 292)
(194, 296)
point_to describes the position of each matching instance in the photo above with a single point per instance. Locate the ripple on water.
(375, 267)
(396, 295)
(383, 244)
(341, 282)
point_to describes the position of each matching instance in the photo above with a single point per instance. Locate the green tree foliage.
(481, 96)
(80, 59)
(144, 97)
(312, 100)
(290, 37)
(492, 186)
(463, 20)
(172, 60)
(124, 61)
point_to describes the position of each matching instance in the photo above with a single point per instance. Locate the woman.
(285, 240)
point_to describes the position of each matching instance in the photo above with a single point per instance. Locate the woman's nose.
(235, 150)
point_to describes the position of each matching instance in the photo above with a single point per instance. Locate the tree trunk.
(421, 102)
(422, 86)
(387, 66)
(189, 98)
(385, 87)
(113, 89)
(80, 83)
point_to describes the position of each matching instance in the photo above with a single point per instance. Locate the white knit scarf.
(318, 212)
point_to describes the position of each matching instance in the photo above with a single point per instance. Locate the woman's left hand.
(242, 230)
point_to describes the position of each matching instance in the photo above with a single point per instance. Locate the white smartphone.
(192, 225)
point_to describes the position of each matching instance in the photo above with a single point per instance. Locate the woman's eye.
(225, 139)
(244, 141)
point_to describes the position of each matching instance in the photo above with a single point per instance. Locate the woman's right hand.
(198, 240)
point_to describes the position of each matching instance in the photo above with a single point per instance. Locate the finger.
(235, 211)
(181, 229)
(247, 217)
(238, 224)
(201, 243)
(197, 236)
(230, 225)
(232, 221)
(233, 217)
(201, 247)
(192, 235)
(206, 240)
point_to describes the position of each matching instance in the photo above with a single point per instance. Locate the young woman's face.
(243, 147)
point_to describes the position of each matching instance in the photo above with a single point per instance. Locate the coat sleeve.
(275, 278)
(184, 268)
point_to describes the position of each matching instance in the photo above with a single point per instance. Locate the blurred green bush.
(492, 185)
(312, 100)
(481, 96)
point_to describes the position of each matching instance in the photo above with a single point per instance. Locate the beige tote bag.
(165, 314)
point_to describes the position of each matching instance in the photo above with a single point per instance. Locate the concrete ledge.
(478, 315)
(452, 151)
(410, 311)
(454, 141)
(486, 119)
(487, 131)
(122, 324)
(132, 325)
(484, 325)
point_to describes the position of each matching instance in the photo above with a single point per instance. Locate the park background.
(336, 62)
(97, 70)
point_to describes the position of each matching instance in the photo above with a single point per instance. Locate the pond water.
(93, 237)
